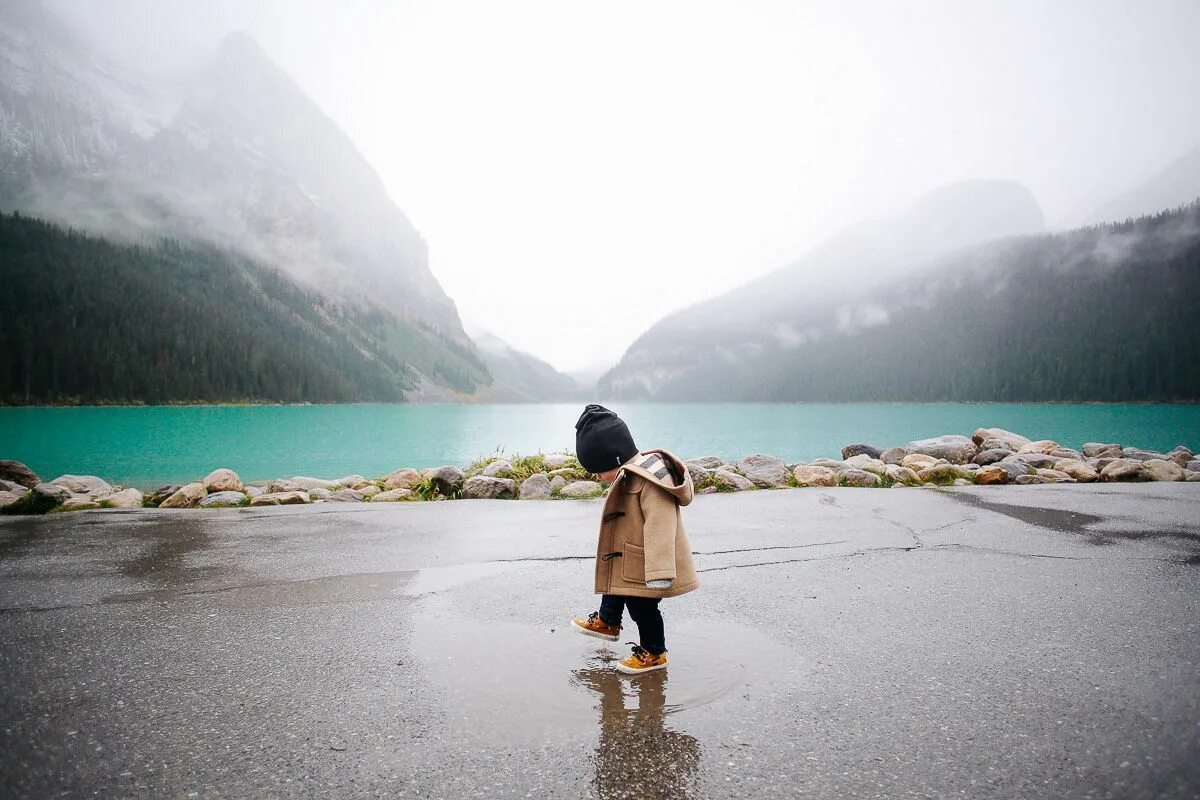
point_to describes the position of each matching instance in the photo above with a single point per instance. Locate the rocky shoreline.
(990, 456)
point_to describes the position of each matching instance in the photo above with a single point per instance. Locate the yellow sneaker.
(641, 661)
(594, 626)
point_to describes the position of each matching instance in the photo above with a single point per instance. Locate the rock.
(304, 482)
(222, 480)
(1077, 469)
(403, 478)
(1192, 477)
(985, 457)
(832, 463)
(1055, 476)
(448, 479)
(253, 491)
(1101, 463)
(1181, 455)
(1066, 452)
(1157, 469)
(707, 490)
(1034, 460)
(18, 473)
(347, 495)
(284, 485)
(557, 482)
(555, 460)
(961, 482)
(1030, 480)
(369, 491)
(394, 495)
(857, 449)
(768, 472)
(727, 478)
(188, 496)
(917, 461)
(156, 498)
(992, 476)
(1143, 455)
(281, 499)
(1193, 466)
(997, 444)
(89, 485)
(902, 475)
(1094, 449)
(80, 503)
(1043, 446)
(857, 477)
(570, 473)
(356, 482)
(1122, 469)
(706, 462)
(942, 474)
(483, 487)
(698, 473)
(126, 498)
(866, 462)
(12, 487)
(893, 455)
(42, 498)
(500, 468)
(581, 489)
(318, 495)
(535, 487)
(806, 475)
(952, 447)
(1010, 440)
(224, 499)
(8, 498)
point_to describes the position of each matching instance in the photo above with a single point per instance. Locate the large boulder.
(316, 495)
(1043, 446)
(1013, 441)
(1181, 455)
(1031, 480)
(728, 479)
(943, 474)
(1096, 449)
(858, 477)
(768, 472)
(1122, 469)
(79, 503)
(347, 495)
(355, 482)
(11, 499)
(555, 460)
(394, 496)
(285, 485)
(806, 475)
(985, 457)
(557, 482)
(993, 475)
(1143, 455)
(126, 498)
(579, 489)
(1161, 470)
(902, 475)
(17, 472)
(224, 499)
(42, 498)
(859, 448)
(893, 455)
(13, 487)
(1079, 470)
(484, 487)
(832, 463)
(89, 485)
(222, 480)
(156, 498)
(500, 468)
(188, 496)
(1034, 460)
(698, 473)
(1193, 466)
(917, 461)
(368, 491)
(1054, 476)
(997, 444)
(952, 447)
(281, 499)
(254, 491)
(403, 478)
(448, 479)
(535, 487)
(707, 462)
(866, 462)
(305, 482)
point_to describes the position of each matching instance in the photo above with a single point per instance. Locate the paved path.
(1013, 642)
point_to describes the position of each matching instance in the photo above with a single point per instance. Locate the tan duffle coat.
(641, 533)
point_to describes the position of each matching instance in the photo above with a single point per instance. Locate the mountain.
(1175, 185)
(777, 311)
(521, 377)
(235, 155)
(1097, 313)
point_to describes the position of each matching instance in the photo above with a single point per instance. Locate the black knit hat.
(602, 440)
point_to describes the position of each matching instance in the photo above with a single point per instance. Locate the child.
(643, 554)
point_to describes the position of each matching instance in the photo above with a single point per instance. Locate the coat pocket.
(633, 564)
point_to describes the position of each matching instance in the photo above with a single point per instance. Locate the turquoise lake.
(152, 445)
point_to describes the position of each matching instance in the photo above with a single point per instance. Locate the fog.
(581, 170)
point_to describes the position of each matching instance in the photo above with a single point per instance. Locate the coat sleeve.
(661, 523)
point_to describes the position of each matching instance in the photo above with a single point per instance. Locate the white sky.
(581, 169)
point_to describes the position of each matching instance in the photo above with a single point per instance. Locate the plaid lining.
(655, 465)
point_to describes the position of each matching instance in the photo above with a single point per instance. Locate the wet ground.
(1009, 642)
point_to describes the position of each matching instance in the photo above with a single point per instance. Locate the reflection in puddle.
(638, 755)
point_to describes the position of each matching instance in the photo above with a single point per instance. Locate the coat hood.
(660, 467)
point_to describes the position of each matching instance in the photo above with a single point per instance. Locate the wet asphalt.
(1023, 642)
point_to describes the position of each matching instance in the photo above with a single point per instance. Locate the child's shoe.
(594, 626)
(641, 661)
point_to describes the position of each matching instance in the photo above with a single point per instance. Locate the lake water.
(149, 446)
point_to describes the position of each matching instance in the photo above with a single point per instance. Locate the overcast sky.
(581, 169)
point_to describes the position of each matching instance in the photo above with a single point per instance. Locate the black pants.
(645, 613)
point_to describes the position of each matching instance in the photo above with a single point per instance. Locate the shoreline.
(989, 457)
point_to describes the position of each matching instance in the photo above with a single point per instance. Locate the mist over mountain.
(1176, 184)
(235, 154)
(520, 376)
(1023, 318)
